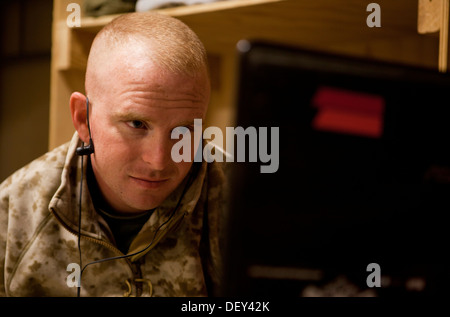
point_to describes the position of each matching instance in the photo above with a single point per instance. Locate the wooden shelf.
(75, 41)
(94, 24)
(324, 25)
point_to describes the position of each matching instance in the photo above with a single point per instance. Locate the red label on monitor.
(348, 112)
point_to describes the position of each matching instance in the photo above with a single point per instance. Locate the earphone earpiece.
(86, 149)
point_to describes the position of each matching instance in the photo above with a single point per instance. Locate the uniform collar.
(65, 202)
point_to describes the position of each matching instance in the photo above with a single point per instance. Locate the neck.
(99, 201)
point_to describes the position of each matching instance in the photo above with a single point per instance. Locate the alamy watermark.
(74, 18)
(374, 278)
(373, 19)
(258, 145)
(73, 279)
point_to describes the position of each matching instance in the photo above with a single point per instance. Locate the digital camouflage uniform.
(39, 224)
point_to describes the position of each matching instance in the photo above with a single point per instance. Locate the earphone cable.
(79, 227)
(126, 255)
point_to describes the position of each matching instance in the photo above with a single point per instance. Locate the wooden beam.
(443, 36)
(429, 17)
(433, 16)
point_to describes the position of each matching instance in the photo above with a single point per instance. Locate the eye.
(136, 124)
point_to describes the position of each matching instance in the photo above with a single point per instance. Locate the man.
(146, 78)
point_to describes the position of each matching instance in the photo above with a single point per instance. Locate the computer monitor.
(358, 203)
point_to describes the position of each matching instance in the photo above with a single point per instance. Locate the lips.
(149, 183)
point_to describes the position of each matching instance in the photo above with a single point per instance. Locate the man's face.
(132, 119)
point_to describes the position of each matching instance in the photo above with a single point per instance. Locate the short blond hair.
(174, 46)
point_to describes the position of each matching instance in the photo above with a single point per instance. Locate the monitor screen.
(352, 199)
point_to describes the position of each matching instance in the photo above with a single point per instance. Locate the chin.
(146, 205)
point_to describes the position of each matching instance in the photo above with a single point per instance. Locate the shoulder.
(40, 172)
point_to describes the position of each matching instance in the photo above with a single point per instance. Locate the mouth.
(149, 183)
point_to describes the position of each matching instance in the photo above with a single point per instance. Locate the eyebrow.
(131, 116)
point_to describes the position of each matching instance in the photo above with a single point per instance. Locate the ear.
(79, 118)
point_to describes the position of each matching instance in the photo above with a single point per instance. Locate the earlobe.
(79, 118)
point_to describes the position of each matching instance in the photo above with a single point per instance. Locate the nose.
(156, 151)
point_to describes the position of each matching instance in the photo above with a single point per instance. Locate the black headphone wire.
(126, 255)
(79, 226)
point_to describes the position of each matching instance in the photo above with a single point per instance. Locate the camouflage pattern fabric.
(39, 224)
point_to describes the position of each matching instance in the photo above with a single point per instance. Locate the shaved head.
(136, 40)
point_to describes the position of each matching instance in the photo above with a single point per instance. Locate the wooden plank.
(94, 24)
(429, 16)
(315, 24)
(443, 36)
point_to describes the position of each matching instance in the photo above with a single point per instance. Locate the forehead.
(154, 95)
(133, 69)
